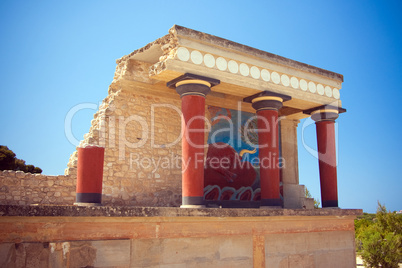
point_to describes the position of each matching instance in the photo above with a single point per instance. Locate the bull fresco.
(232, 164)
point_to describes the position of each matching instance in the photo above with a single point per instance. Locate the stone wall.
(141, 132)
(172, 237)
(322, 249)
(141, 135)
(187, 252)
(19, 188)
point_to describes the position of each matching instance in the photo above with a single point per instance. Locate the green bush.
(308, 195)
(9, 161)
(7, 158)
(379, 238)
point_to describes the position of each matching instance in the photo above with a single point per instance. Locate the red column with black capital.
(325, 127)
(268, 141)
(193, 90)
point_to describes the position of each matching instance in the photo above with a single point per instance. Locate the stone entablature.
(257, 72)
(242, 70)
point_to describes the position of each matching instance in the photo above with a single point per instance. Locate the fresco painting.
(232, 163)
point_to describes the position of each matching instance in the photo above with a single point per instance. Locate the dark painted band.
(324, 116)
(271, 202)
(193, 89)
(192, 200)
(267, 93)
(269, 109)
(267, 104)
(330, 204)
(325, 107)
(188, 76)
(89, 198)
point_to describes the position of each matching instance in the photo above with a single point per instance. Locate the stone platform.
(127, 211)
(71, 236)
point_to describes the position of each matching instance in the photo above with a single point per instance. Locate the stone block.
(308, 203)
(293, 195)
(79, 253)
(4, 189)
(29, 255)
(280, 261)
(335, 259)
(314, 249)
(212, 251)
(20, 255)
(302, 260)
(189, 250)
(11, 181)
(276, 244)
(146, 253)
(7, 251)
(112, 253)
(235, 248)
(20, 174)
(8, 173)
(37, 255)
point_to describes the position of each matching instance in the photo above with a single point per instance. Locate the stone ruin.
(191, 159)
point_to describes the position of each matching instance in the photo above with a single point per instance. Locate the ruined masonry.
(190, 161)
(139, 122)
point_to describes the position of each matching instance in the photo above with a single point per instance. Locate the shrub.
(9, 161)
(379, 240)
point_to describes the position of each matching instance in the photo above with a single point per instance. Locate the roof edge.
(161, 41)
(212, 39)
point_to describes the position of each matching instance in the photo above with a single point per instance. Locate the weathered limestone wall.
(137, 129)
(142, 160)
(19, 188)
(141, 135)
(174, 237)
(321, 249)
(315, 249)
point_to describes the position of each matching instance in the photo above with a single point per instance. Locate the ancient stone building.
(200, 168)
(139, 122)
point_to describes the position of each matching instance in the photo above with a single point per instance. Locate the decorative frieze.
(256, 72)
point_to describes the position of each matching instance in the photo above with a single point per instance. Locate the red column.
(325, 126)
(193, 109)
(269, 157)
(193, 90)
(89, 175)
(268, 141)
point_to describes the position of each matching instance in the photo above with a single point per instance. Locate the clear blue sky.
(57, 54)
